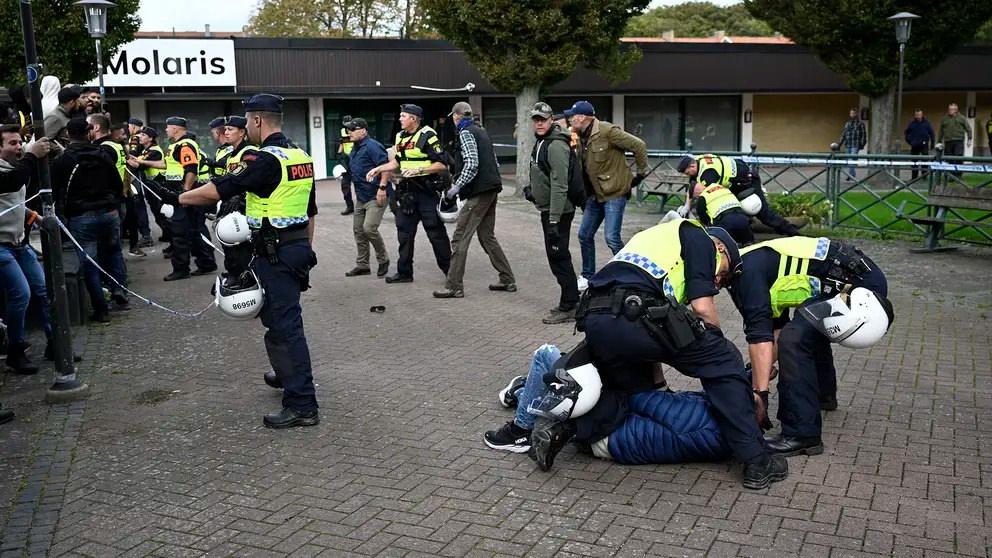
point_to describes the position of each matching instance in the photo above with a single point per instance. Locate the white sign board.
(172, 63)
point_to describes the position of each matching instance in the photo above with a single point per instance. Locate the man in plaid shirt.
(854, 137)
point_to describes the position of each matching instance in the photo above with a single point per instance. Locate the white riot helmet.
(241, 300)
(167, 210)
(856, 320)
(672, 215)
(574, 387)
(750, 202)
(448, 209)
(232, 229)
(338, 171)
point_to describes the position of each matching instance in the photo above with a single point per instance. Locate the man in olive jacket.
(548, 191)
(602, 147)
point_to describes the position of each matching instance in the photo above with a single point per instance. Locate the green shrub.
(812, 206)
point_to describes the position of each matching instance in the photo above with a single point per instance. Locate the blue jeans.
(99, 233)
(544, 358)
(22, 278)
(595, 213)
(852, 150)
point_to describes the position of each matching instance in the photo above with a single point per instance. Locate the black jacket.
(84, 180)
(487, 178)
(919, 133)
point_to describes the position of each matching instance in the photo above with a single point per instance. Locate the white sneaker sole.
(503, 392)
(512, 448)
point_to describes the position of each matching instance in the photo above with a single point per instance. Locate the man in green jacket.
(602, 149)
(954, 129)
(548, 190)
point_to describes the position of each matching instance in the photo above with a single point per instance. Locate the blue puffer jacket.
(668, 428)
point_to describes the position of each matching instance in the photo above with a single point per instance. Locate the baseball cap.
(581, 107)
(461, 108)
(356, 124)
(542, 110)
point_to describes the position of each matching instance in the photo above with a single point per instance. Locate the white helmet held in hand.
(241, 299)
(448, 209)
(574, 387)
(750, 202)
(338, 171)
(856, 320)
(167, 210)
(232, 229)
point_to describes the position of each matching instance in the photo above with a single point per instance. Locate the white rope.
(25, 202)
(148, 301)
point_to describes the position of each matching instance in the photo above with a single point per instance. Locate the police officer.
(421, 163)
(345, 146)
(734, 174)
(654, 302)
(237, 257)
(718, 206)
(798, 272)
(277, 183)
(150, 166)
(217, 132)
(182, 172)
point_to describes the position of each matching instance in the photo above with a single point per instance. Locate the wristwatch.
(382, 187)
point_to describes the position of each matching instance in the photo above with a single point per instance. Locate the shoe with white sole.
(508, 395)
(509, 438)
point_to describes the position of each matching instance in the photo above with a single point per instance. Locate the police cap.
(217, 122)
(176, 121)
(136, 121)
(723, 236)
(684, 163)
(264, 102)
(237, 122)
(149, 131)
(413, 109)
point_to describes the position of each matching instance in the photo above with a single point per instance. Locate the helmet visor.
(833, 318)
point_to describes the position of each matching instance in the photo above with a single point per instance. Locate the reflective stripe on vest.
(408, 155)
(724, 166)
(658, 251)
(152, 172)
(203, 169)
(346, 145)
(288, 203)
(719, 200)
(173, 169)
(121, 163)
(234, 159)
(793, 285)
(219, 155)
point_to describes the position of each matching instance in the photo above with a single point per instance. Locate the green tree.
(336, 18)
(697, 19)
(984, 34)
(522, 47)
(65, 49)
(854, 39)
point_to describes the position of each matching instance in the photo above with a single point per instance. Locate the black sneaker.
(510, 438)
(508, 395)
(547, 439)
(828, 403)
(758, 477)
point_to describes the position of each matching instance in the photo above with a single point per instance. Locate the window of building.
(656, 120)
(499, 117)
(704, 123)
(712, 123)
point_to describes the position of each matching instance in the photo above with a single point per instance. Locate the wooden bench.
(663, 185)
(944, 197)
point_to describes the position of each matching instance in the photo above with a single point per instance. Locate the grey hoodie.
(12, 176)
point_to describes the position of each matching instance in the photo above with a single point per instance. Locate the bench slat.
(960, 203)
(934, 220)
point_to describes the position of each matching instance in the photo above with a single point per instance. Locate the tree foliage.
(984, 35)
(697, 19)
(65, 49)
(337, 18)
(516, 44)
(854, 38)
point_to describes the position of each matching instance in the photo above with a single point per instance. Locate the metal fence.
(866, 192)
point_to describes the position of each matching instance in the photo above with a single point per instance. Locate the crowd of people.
(651, 304)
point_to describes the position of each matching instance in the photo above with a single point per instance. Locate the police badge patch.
(240, 168)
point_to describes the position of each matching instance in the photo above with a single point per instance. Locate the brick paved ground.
(169, 457)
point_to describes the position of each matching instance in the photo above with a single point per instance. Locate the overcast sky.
(232, 15)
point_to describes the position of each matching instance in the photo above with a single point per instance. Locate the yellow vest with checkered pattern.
(794, 285)
(287, 205)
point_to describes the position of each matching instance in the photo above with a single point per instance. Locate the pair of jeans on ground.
(99, 233)
(609, 214)
(22, 278)
(477, 215)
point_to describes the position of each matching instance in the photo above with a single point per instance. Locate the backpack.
(577, 193)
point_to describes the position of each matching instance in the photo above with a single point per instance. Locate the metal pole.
(65, 387)
(99, 72)
(902, 50)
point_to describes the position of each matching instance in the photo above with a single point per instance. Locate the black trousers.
(625, 353)
(738, 225)
(956, 148)
(767, 215)
(188, 223)
(422, 208)
(130, 223)
(346, 191)
(918, 150)
(560, 259)
(806, 376)
(155, 205)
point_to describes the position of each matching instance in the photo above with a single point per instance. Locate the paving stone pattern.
(168, 457)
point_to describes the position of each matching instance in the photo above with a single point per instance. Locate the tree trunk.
(524, 135)
(883, 118)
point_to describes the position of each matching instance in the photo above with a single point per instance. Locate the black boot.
(758, 476)
(547, 439)
(272, 380)
(828, 403)
(288, 418)
(6, 415)
(787, 446)
(18, 361)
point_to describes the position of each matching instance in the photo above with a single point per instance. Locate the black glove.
(554, 237)
(529, 194)
(637, 180)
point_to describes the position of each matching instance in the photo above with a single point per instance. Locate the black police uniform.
(187, 224)
(806, 365)
(734, 221)
(747, 179)
(285, 342)
(236, 258)
(625, 352)
(418, 199)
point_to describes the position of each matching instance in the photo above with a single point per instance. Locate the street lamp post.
(903, 21)
(95, 12)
